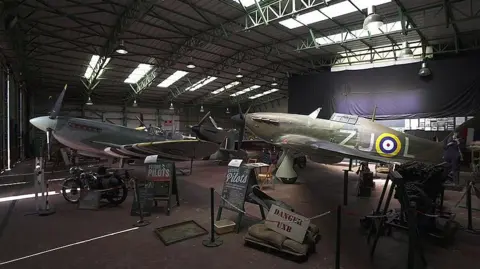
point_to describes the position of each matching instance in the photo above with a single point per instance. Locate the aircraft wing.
(313, 146)
(168, 149)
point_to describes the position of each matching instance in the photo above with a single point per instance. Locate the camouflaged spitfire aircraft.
(99, 139)
(342, 136)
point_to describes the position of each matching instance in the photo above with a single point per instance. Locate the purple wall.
(398, 92)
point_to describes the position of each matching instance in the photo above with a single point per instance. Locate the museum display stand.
(285, 171)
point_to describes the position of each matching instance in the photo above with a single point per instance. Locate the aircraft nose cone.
(195, 129)
(238, 119)
(43, 123)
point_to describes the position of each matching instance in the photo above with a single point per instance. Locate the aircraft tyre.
(301, 162)
(288, 180)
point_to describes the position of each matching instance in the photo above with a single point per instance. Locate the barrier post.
(345, 187)
(337, 240)
(212, 242)
(142, 222)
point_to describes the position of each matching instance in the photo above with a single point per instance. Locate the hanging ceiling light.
(424, 71)
(190, 64)
(373, 21)
(274, 83)
(89, 102)
(228, 111)
(121, 49)
(171, 106)
(239, 73)
(135, 103)
(201, 109)
(406, 51)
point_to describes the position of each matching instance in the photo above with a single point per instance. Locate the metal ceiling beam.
(246, 96)
(410, 21)
(281, 9)
(311, 44)
(132, 13)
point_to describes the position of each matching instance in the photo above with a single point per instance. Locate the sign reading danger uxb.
(285, 222)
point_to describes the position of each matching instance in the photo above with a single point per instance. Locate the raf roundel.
(388, 145)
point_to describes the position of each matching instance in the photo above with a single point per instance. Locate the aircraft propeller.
(240, 120)
(140, 119)
(196, 128)
(53, 115)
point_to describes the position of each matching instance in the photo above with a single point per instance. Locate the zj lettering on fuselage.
(386, 144)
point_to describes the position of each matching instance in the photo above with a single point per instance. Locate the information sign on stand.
(288, 223)
(162, 176)
(238, 183)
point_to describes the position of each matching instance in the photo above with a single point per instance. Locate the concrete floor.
(319, 190)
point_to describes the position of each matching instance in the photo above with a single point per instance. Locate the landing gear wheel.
(288, 180)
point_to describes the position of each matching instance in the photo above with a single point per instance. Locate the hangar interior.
(214, 74)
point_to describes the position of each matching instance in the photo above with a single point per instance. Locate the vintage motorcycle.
(112, 185)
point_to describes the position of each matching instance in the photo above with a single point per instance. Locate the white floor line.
(67, 246)
(25, 182)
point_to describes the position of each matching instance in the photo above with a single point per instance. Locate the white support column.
(8, 121)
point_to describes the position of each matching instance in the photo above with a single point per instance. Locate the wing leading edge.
(313, 146)
(177, 150)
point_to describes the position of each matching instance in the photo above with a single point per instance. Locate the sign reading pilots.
(235, 186)
(159, 172)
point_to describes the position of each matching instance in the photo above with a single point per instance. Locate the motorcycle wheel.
(73, 190)
(116, 199)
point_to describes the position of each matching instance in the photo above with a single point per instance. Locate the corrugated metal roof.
(64, 34)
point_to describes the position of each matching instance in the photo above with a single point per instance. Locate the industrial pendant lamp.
(424, 71)
(239, 74)
(373, 21)
(171, 106)
(228, 111)
(406, 51)
(89, 102)
(201, 109)
(135, 103)
(190, 64)
(274, 83)
(121, 49)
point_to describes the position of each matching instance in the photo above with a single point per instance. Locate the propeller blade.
(240, 111)
(204, 118)
(213, 122)
(246, 112)
(141, 117)
(58, 104)
(142, 124)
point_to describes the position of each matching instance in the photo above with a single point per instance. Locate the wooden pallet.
(252, 242)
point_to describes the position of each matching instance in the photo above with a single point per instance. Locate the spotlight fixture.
(274, 83)
(121, 49)
(373, 21)
(89, 102)
(171, 106)
(201, 109)
(406, 51)
(190, 64)
(135, 103)
(239, 74)
(227, 111)
(424, 71)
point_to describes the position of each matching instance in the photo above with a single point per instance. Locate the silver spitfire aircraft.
(99, 139)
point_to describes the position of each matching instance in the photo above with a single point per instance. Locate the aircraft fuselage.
(354, 132)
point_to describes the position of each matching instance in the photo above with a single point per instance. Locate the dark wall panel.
(397, 91)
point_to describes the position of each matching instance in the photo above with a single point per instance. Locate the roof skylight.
(172, 79)
(354, 34)
(93, 64)
(138, 73)
(200, 84)
(226, 87)
(330, 11)
(263, 93)
(247, 3)
(245, 90)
